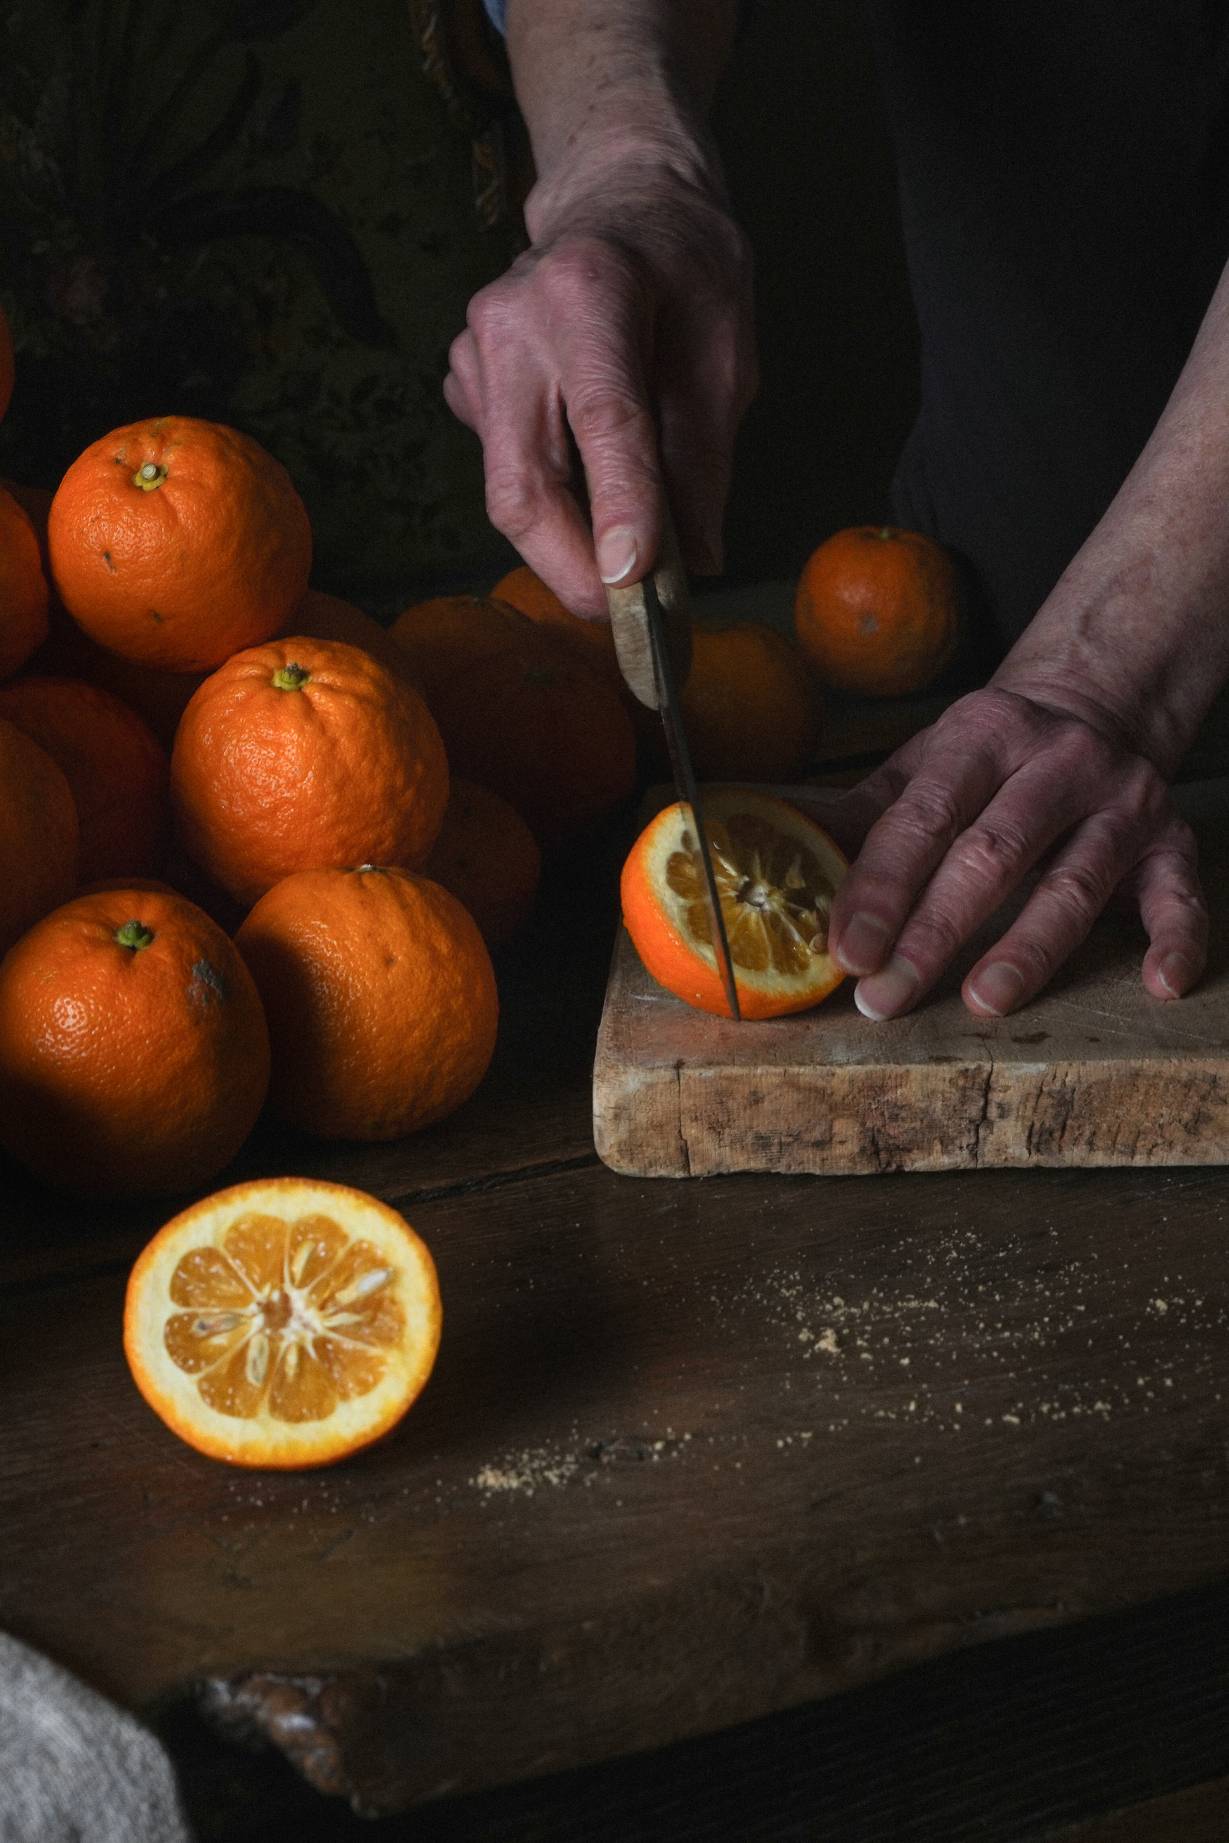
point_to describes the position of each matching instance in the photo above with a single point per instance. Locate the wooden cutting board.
(1093, 1072)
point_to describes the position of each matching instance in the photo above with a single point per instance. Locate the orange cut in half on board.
(282, 1323)
(777, 872)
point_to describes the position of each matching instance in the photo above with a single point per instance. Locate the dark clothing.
(1064, 190)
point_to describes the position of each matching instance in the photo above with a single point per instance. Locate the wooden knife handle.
(629, 620)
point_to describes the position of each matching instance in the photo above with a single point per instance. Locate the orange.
(285, 1322)
(23, 587)
(116, 768)
(487, 856)
(133, 1051)
(777, 872)
(105, 885)
(6, 363)
(162, 697)
(177, 542)
(302, 754)
(380, 997)
(750, 706)
(328, 617)
(593, 640)
(38, 834)
(35, 502)
(445, 637)
(544, 731)
(159, 697)
(878, 610)
(519, 711)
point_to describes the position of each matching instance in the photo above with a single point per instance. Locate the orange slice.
(282, 1323)
(777, 872)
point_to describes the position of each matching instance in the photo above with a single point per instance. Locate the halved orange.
(282, 1323)
(777, 872)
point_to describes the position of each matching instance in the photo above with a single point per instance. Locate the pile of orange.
(523, 710)
(192, 736)
(256, 848)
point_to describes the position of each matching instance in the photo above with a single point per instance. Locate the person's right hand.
(628, 322)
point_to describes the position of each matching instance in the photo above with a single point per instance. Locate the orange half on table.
(777, 872)
(283, 1323)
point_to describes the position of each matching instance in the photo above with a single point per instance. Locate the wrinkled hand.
(628, 322)
(959, 816)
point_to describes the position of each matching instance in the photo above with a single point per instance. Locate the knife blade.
(652, 634)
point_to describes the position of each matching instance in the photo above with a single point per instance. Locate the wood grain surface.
(1092, 1072)
(1022, 1741)
(693, 1455)
(1198, 1814)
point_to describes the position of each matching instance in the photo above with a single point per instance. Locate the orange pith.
(777, 873)
(283, 1323)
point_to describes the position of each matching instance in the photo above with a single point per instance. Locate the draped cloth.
(74, 1768)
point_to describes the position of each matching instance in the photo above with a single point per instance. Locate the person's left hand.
(956, 820)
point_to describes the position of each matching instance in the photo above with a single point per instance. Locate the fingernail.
(884, 994)
(863, 939)
(616, 553)
(1174, 973)
(997, 988)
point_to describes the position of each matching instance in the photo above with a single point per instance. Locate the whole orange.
(305, 754)
(543, 730)
(877, 610)
(380, 997)
(328, 617)
(445, 637)
(23, 587)
(750, 704)
(177, 542)
(134, 1057)
(6, 363)
(38, 834)
(115, 766)
(487, 856)
(593, 640)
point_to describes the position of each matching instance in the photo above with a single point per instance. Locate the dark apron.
(1064, 193)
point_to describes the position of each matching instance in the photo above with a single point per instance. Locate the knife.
(652, 635)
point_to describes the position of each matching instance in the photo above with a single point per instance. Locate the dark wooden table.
(919, 1486)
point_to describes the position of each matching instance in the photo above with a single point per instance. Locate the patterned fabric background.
(261, 211)
(273, 212)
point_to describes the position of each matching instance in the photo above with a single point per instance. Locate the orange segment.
(283, 1323)
(777, 872)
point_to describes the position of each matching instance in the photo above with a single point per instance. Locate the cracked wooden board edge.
(404, 1732)
(1122, 1080)
(683, 1121)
